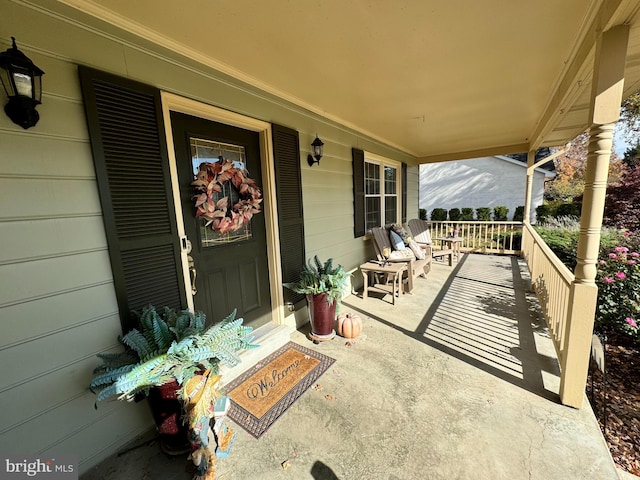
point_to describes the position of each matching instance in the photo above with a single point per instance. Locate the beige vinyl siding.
(57, 303)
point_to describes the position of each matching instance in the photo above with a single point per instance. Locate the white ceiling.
(438, 79)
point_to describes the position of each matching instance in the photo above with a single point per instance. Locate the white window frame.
(384, 162)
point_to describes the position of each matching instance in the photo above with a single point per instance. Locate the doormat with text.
(264, 392)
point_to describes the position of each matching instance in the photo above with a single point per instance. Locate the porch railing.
(553, 283)
(482, 237)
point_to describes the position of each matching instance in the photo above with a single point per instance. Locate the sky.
(620, 145)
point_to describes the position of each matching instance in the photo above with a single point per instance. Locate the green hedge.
(438, 214)
(500, 213)
(454, 214)
(518, 215)
(483, 214)
(466, 214)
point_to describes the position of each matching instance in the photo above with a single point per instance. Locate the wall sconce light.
(22, 80)
(318, 147)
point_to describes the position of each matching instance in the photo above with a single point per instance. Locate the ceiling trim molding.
(154, 37)
(483, 152)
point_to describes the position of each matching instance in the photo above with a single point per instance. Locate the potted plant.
(323, 285)
(166, 351)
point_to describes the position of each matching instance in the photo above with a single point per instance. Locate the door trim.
(172, 102)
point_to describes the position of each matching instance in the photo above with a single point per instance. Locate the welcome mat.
(263, 393)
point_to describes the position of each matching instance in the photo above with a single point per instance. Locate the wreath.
(215, 208)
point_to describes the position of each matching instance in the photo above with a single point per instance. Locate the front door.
(229, 268)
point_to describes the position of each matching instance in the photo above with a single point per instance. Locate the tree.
(621, 205)
(570, 171)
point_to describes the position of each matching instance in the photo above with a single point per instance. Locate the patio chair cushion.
(404, 254)
(399, 229)
(396, 241)
(417, 250)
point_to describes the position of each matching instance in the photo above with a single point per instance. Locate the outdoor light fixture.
(22, 80)
(317, 145)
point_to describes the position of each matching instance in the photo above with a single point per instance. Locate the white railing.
(553, 283)
(481, 237)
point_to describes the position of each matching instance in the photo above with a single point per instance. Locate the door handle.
(192, 274)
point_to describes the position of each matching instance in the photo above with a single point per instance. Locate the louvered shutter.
(132, 169)
(404, 193)
(286, 153)
(358, 192)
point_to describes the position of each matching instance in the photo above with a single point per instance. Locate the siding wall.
(481, 182)
(57, 303)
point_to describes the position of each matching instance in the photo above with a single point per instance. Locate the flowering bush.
(619, 293)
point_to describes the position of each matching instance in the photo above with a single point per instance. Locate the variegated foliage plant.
(170, 346)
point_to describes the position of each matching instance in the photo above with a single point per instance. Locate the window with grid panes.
(381, 193)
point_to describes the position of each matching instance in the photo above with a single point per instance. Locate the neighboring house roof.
(549, 172)
(540, 154)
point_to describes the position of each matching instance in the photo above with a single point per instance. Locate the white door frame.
(176, 103)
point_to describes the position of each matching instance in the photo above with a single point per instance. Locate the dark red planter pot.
(167, 413)
(322, 315)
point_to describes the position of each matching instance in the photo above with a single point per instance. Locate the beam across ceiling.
(483, 152)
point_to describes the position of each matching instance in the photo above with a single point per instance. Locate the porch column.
(606, 97)
(531, 158)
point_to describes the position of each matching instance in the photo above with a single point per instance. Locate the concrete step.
(270, 337)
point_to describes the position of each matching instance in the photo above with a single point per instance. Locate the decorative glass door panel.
(230, 197)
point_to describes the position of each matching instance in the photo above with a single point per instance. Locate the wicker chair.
(419, 230)
(415, 267)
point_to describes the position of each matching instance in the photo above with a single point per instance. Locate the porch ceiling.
(440, 80)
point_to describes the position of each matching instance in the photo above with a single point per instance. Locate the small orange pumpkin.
(349, 325)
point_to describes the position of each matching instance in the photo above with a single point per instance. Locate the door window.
(207, 151)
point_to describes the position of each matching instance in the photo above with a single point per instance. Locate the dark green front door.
(231, 266)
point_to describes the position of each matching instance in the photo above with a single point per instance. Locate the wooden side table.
(453, 243)
(395, 270)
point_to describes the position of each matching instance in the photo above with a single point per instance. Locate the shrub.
(467, 214)
(500, 213)
(565, 209)
(518, 215)
(483, 214)
(454, 214)
(422, 213)
(618, 280)
(563, 242)
(542, 213)
(438, 214)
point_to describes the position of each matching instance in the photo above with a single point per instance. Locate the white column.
(531, 157)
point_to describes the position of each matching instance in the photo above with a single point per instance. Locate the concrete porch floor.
(458, 381)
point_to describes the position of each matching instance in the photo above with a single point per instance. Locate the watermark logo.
(55, 467)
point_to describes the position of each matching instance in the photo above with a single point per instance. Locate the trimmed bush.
(518, 215)
(566, 209)
(454, 214)
(542, 213)
(467, 214)
(422, 213)
(438, 214)
(500, 213)
(483, 214)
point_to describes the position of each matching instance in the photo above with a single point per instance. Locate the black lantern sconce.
(22, 80)
(318, 147)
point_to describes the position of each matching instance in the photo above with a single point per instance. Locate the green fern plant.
(169, 346)
(318, 277)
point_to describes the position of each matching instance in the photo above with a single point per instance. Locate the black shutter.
(286, 153)
(132, 169)
(358, 193)
(404, 192)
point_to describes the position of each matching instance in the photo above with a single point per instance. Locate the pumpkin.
(349, 325)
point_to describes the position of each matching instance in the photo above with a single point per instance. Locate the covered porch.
(457, 380)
